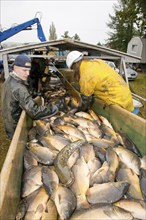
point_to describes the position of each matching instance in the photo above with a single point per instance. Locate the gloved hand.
(86, 102)
(52, 110)
(35, 94)
(61, 105)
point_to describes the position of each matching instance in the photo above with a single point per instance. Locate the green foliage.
(76, 37)
(127, 22)
(66, 35)
(99, 44)
(52, 32)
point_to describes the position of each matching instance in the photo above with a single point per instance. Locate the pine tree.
(127, 22)
(76, 37)
(66, 35)
(52, 31)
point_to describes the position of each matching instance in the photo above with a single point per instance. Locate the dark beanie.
(23, 61)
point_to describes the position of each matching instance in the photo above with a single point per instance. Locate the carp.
(60, 162)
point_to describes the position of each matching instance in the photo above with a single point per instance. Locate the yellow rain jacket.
(98, 78)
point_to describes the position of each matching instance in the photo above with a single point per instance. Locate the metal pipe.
(139, 97)
(124, 69)
(5, 64)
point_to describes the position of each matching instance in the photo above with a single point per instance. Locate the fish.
(128, 144)
(93, 165)
(110, 134)
(57, 142)
(137, 208)
(113, 162)
(73, 158)
(60, 162)
(126, 174)
(32, 134)
(58, 121)
(43, 154)
(65, 202)
(143, 162)
(90, 172)
(100, 153)
(129, 158)
(102, 212)
(100, 176)
(95, 131)
(33, 144)
(143, 182)
(83, 122)
(92, 126)
(87, 151)
(31, 181)
(24, 204)
(69, 119)
(72, 131)
(50, 180)
(107, 131)
(28, 160)
(38, 205)
(42, 128)
(85, 131)
(81, 182)
(84, 115)
(50, 212)
(105, 121)
(107, 192)
(102, 142)
(95, 116)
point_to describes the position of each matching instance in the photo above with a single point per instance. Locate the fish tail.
(82, 202)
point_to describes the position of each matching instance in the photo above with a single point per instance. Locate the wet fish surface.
(77, 167)
(60, 162)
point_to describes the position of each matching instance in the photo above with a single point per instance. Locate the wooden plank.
(124, 121)
(10, 177)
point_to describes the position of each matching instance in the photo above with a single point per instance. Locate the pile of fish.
(55, 92)
(77, 167)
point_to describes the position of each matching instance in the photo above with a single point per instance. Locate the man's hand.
(86, 102)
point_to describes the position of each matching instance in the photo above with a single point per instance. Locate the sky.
(88, 19)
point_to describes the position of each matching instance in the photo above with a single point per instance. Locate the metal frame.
(67, 44)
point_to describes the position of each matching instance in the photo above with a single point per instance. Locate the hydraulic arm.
(24, 26)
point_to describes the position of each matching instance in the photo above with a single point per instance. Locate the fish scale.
(101, 160)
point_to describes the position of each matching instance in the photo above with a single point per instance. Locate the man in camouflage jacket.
(16, 97)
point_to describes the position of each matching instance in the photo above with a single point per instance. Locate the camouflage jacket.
(15, 98)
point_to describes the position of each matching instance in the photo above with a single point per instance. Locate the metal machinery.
(4, 35)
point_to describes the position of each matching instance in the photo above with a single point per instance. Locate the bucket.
(137, 104)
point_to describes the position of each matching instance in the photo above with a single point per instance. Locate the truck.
(122, 121)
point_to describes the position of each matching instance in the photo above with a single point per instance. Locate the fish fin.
(82, 203)
(109, 213)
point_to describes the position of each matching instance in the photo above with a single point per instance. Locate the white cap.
(73, 57)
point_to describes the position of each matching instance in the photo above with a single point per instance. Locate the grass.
(138, 86)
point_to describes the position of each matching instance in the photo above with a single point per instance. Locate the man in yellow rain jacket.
(97, 78)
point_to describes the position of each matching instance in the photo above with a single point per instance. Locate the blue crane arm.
(14, 30)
